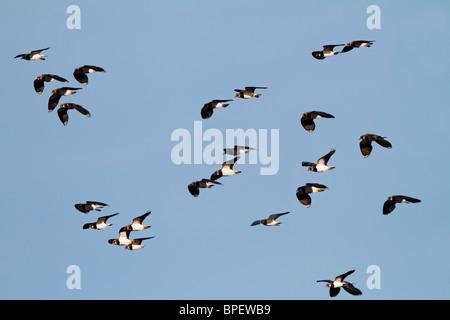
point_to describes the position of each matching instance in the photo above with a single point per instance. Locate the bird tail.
(257, 95)
(331, 168)
(225, 105)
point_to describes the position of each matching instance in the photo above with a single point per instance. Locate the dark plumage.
(357, 44)
(208, 108)
(33, 55)
(100, 224)
(248, 92)
(63, 108)
(366, 143)
(335, 286)
(321, 165)
(80, 73)
(89, 206)
(390, 203)
(57, 94)
(194, 187)
(40, 80)
(326, 52)
(270, 221)
(307, 119)
(304, 191)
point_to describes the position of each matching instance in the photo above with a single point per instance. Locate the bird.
(137, 243)
(270, 221)
(237, 150)
(63, 108)
(80, 73)
(304, 191)
(307, 119)
(137, 225)
(208, 108)
(40, 80)
(326, 52)
(194, 187)
(335, 286)
(90, 206)
(57, 94)
(321, 165)
(365, 144)
(389, 205)
(227, 169)
(100, 224)
(248, 92)
(357, 44)
(123, 239)
(33, 55)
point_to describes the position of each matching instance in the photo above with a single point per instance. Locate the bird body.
(137, 225)
(137, 243)
(227, 169)
(326, 52)
(237, 150)
(321, 165)
(357, 44)
(100, 224)
(248, 92)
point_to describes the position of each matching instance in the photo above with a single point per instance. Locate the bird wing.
(141, 218)
(330, 47)
(342, 276)
(230, 163)
(351, 289)
(53, 101)
(366, 147)
(256, 222)
(97, 203)
(38, 85)
(322, 114)
(194, 190)
(388, 206)
(382, 142)
(207, 111)
(104, 218)
(307, 164)
(38, 51)
(276, 215)
(334, 291)
(63, 116)
(48, 78)
(80, 76)
(304, 198)
(139, 240)
(80, 109)
(325, 158)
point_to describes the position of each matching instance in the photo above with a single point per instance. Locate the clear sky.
(164, 60)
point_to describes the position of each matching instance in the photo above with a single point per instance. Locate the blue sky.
(164, 60)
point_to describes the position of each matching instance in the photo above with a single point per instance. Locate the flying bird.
(123, 239)
(366, 143)
(307, 119)
(237, 150)
(208, 108)
(90, 206)
(338, 283)
(194, 187)
(304, 191)
(100, 224)
(270, 221)
(80, 73)
(227, 169)
(248, 92)
(321, 165)
(137, 243)
(40, 80)
(137, 225)
(326, 52)
(57, 94)
(389, 205)
(357, 44)
(33, 55)
(63, 108)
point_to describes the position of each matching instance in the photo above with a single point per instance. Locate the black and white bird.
(338, 283)
(123, 239)
(33, 55)
(137, 243)
(307, 119)
(237, 150)
(270, 221)
(136, 224)
(57, 94)
(248, 92)
(90, 206)
(357, 44)
(227, 169)
(100, 224)
(80, 73)
(321, 165)
(326, 52)
(63, 108)
(390, 203)
(208, 108)
(304, 191)
(194, 187)
(40, 80)
(365, 144)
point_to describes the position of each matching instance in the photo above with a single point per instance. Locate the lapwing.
(237, 150)
(304, 191)
(194, 187)
(137, 243)
(326, 52)
(270, 221)
(307, 119)
(40, 80)
(137, 225)
(57, 94)
(90, 206)
(208, 108)
(100, 224)
(390, 203)
(338, 283)
(63, 108)
(321, 165)
(227, 169)
(80, 73)
(365, 144)
(123, 239)
(33, 55)
(357, 44)
(248, 92)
